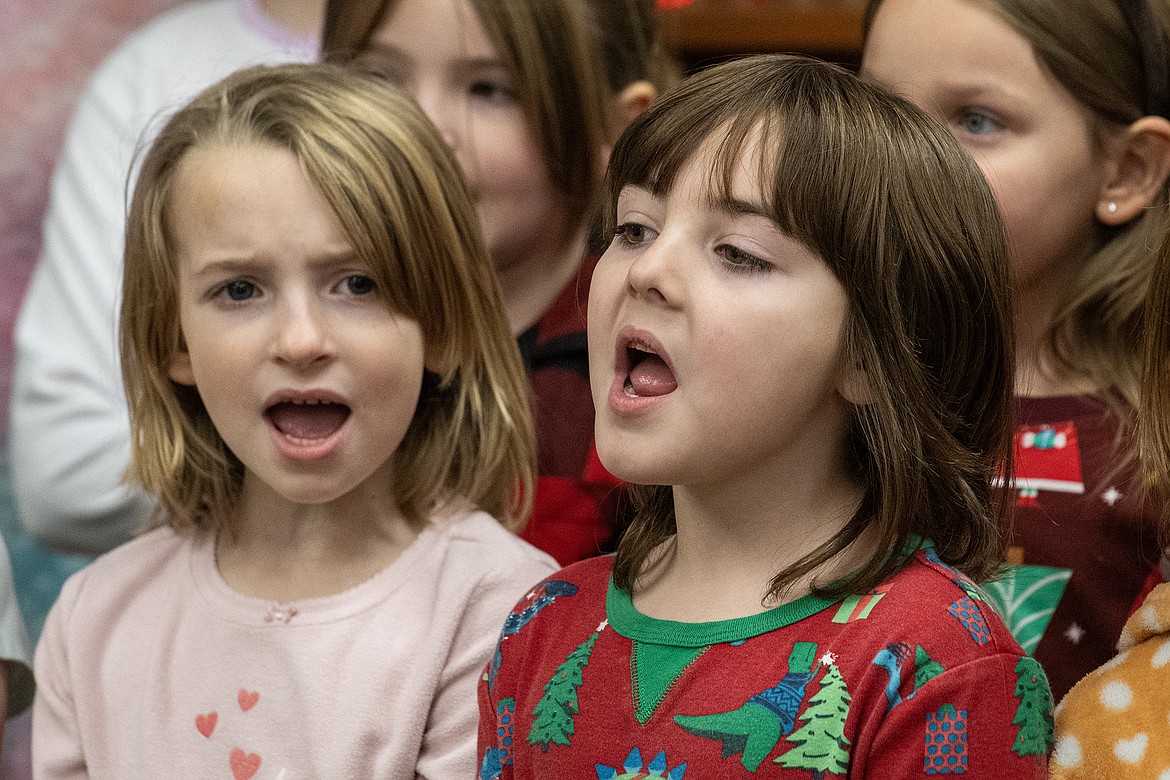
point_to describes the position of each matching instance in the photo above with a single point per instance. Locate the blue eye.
(976, 121)
(239, 290)
(359, 284)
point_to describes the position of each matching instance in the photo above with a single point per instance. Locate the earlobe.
(854, 386)
(181, 371)
(1140, 167)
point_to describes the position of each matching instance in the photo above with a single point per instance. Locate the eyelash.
(621, 234)
(749, 263)
(367, 287)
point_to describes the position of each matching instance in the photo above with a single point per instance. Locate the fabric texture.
(917, 678)
(152, 666)
(69, 429)
(1083, 533)
(575, 509)
(1116, 722)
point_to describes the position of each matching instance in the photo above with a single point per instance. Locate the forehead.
(918, 47)
(433, 30)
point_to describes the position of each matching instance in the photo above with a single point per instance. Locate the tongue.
(651, 376)
(308, 421)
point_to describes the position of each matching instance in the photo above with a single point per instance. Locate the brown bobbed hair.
(1090, 50)
(568, 58)
(400, 197)
(904, 219)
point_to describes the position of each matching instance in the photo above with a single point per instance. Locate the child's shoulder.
(479, 545)
(127, 568)
(928, 597)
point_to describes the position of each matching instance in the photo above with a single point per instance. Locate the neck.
(731, 542)
(1036, 306)
(283, 551)
(529, 286)
(303, 17)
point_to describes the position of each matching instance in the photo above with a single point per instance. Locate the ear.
(181, 371)
(854, 386)
(631, 101)
(627, 104)
(1140, 164)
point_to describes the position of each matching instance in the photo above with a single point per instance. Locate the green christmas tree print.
(926, 668)
(1034, 715)
(553, 723)
(820, 744)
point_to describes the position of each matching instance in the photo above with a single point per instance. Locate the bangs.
(820, 155)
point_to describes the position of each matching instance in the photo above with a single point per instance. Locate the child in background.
(1115, 723)
(530, 95)
(800, 357)
(327, 401)
(1051, 99)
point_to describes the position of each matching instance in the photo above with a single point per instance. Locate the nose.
(652, 275)
(303, 337)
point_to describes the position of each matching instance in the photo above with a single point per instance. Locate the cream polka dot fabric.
(1115, 723)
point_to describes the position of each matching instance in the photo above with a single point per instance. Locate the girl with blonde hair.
(327, 402)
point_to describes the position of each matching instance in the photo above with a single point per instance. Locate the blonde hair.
(1089, 48)
(568, 58)
(402, 202)
(907, 224)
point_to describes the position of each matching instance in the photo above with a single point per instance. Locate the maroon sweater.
(1078, 515)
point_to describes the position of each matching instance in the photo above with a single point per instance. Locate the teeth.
(639, 347)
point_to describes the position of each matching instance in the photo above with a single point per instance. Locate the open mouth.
(308, 420)
(648, 373)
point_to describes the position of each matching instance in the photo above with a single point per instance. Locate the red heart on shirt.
(244, 765)
(247, 699)
(206, 723)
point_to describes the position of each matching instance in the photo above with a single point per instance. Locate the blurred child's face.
(714, 340)
(438, 51)
(1031, 138)
(307, 374)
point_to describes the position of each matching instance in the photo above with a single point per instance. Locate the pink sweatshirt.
(151, 666)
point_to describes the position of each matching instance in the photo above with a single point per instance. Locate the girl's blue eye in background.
(977, 122)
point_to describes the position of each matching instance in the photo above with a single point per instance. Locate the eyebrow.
(244, 264)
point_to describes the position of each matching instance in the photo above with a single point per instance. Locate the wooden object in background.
(708, 30)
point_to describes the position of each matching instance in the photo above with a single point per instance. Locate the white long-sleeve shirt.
(69, 432)
(150, 665)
